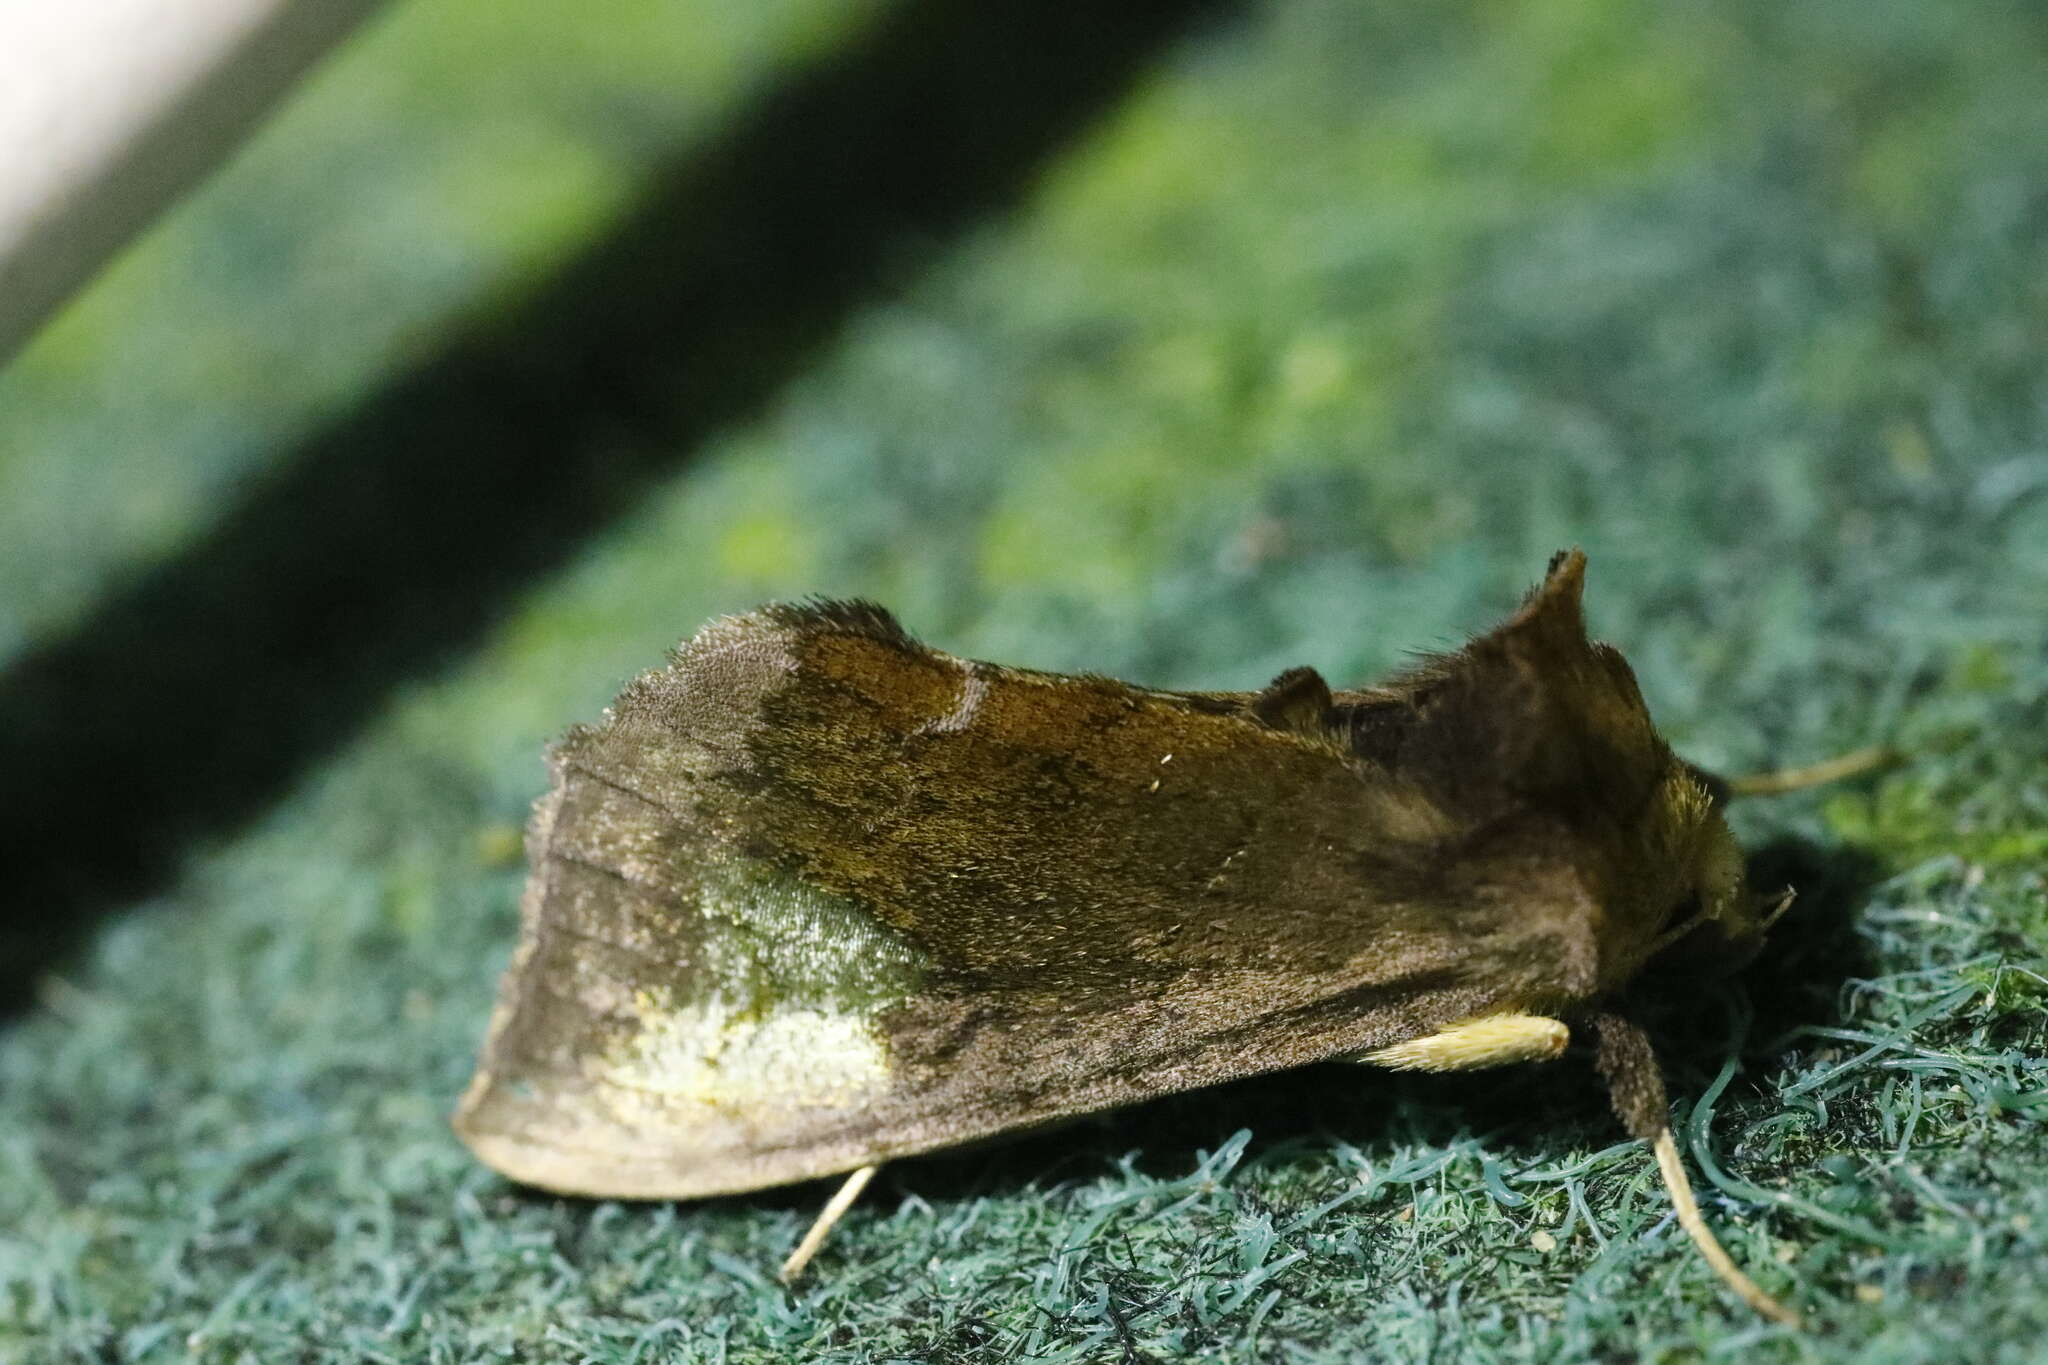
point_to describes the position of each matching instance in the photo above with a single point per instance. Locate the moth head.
(1711, 922)
(1674, 878)
(1535, 727)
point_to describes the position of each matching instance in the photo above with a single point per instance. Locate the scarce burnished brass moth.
(813, 896)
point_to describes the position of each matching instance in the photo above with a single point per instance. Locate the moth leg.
(835, 1209)
(1490, 1040)
(1680, 1188)
(1635, 1087)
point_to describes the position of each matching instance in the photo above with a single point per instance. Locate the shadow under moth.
(813, 896)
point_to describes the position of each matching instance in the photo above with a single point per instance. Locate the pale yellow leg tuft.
(1490, 1040)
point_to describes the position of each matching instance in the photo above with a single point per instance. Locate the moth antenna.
(1680, 1188)
(1678, 931)
(1699, 917)
(835, 1209)
(1815, 774)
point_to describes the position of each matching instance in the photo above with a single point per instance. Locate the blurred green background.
(1184, 343)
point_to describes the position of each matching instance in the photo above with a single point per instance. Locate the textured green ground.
(1311, 351)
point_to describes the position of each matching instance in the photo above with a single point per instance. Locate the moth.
(814, 896)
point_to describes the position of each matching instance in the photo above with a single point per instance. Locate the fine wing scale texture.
(814, 895)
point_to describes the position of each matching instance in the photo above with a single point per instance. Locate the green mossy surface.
(1311, 350)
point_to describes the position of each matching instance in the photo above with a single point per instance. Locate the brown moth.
(813, 896)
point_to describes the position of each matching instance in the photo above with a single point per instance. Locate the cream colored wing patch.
(1490, 1040)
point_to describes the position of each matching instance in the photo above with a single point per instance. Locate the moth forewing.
(813, 895)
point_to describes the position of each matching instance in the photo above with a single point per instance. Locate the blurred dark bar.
(389, 543)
